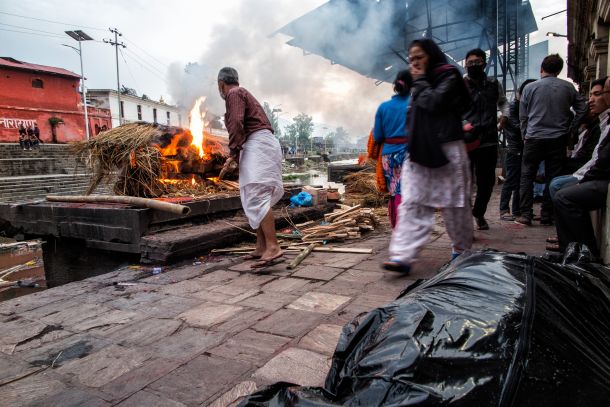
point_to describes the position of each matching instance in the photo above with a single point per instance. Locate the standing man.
(487, 98)
(259, 156)
(545, 115)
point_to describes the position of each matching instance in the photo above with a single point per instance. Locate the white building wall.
(130, 108)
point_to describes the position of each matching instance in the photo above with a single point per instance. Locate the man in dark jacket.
(512, 160)
(487, 98)
(573, 203)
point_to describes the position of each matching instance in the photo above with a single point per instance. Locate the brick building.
(32, 94)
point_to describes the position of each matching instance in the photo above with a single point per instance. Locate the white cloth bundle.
(260, 175)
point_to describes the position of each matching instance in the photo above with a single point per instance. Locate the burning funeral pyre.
(152, 160)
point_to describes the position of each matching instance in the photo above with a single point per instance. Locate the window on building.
(37, 83)
(154, 115)
(122, 109)
(139, 112)
(167, 114)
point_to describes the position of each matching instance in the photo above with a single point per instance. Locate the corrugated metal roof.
(16, 64)
(372, 37)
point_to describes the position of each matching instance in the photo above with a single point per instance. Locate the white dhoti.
(260, 175)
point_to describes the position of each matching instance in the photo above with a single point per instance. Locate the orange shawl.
(374, 151)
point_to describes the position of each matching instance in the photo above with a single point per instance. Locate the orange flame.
(193, 182)
(196, 126)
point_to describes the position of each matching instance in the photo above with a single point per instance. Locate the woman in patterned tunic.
(436, 175)
(390, 132)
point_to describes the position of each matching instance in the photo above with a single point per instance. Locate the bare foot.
(272, 253)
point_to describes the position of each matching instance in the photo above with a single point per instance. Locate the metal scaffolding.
(500, 27)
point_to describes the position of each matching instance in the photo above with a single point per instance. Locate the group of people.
(29, 138)
(441, 130)
(432, 137)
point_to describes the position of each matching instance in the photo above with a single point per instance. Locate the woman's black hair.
(435, 55)
(403, 82)
(524, 84)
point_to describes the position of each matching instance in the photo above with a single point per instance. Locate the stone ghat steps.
(15, 189)
(47, 159)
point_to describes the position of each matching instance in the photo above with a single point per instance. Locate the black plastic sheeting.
(493, 329)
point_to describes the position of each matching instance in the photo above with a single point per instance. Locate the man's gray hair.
(228, 75)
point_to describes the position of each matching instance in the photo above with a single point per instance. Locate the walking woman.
(436, 175)
(390, 134)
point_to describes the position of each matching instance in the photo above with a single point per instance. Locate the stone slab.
(138, 378)
(170, 306)
(103, 366)
(270, 301)
(18, 330)
(285, 285)
(233, 396)
(144, 332)
(288, 322)
(322, 339)
(250, 346)
(200, 379)
(186, 344)
(29, 390)
(323, 303)
(317, 272)
(243, 320)
(64, 350)
(297, 366)
(209, 314)
(145, 398)
(14, 369)
(71, 398)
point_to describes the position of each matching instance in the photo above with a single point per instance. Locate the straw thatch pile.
(361, 187)
(130, 157)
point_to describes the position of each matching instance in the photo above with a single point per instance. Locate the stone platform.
(209, 333)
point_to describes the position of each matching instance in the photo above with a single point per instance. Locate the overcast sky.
(162, 36)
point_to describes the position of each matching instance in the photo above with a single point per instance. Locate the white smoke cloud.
(280, 74)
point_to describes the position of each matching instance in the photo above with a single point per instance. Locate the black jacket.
(487, 96)
(601, 168)
(585, 152)
(512, 130)
(435, 115)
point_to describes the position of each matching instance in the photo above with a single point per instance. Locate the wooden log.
(331, 216)
(294, 263)
(129, 200)
(353, 250)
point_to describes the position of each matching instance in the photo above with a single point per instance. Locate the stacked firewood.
(345, 223)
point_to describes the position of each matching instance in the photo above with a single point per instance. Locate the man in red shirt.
(258, 153)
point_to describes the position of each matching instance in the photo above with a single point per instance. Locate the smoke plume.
(281, 74)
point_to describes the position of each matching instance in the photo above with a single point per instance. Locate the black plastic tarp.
(493, 329)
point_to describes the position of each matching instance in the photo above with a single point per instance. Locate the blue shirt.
(390, 121)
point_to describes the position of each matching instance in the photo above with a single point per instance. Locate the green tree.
(273, 118)
(301, 129)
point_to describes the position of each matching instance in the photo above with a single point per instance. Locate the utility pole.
(80, 36)
(116, 44)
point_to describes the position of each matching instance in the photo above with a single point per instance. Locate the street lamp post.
(80, 36)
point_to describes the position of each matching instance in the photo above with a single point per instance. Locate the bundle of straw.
(361, 186)
(129, 150)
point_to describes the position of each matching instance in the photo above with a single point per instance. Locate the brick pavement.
(205, 334)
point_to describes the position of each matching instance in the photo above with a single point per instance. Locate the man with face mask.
(259, 156)
(487, 98)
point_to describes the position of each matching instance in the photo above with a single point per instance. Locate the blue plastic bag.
(301, 199)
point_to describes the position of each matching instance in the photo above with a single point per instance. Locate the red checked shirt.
(244, 116)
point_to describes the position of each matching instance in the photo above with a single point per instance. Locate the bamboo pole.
(130, 200)
(294, 263)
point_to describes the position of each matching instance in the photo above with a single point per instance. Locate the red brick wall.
(59, 97)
